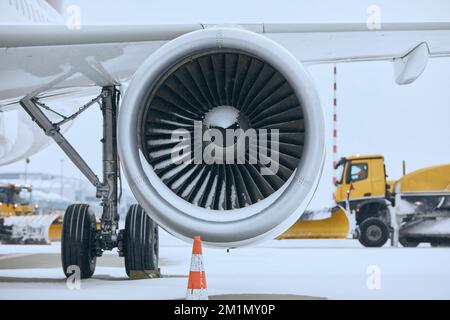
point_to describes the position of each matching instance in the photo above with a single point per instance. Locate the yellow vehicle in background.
(19, 221)
(321, 224)
(411, 210)
(416, 207)
(15, 200)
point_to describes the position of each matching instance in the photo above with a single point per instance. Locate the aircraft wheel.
(140, 244)
(78, 240)
(373, 232)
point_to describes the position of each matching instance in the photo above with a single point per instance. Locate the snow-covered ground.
(334, 269)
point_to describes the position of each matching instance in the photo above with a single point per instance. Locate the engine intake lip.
(240, 226)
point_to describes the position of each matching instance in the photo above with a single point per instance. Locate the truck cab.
(360, 178)
(361, 187)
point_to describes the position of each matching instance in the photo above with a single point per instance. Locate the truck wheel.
(409, 242)
(440, 243)
(140, 244)
(78, 241)
(373, 232)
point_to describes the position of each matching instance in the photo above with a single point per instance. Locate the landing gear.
(373, 232)
(140, 244)
(78, 240)
(82, 241)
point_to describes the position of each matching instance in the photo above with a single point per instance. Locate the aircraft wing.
(111, 54)
(319, 41)
(69, 65)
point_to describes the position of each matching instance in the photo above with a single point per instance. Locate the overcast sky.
(375, 115)
(229, 11)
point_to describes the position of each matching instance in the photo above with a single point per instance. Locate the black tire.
(440, 243)
(409, 242)
(140, 244)
(373, 232)
(78, 240)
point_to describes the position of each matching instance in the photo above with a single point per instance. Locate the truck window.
(340, 173)
(357, 172)
(22, 196)
(3, 195)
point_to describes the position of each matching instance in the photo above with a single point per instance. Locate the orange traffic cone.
(197, 278)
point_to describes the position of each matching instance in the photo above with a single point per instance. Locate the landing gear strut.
(82, 241)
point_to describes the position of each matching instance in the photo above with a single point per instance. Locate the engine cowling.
(193, 91)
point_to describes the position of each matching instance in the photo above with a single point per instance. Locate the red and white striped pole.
(335, 157)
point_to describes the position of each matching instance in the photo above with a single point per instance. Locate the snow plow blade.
(5, 231)
(329, 224)
(35, 229)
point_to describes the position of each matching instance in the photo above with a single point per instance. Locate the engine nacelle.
(221, 135)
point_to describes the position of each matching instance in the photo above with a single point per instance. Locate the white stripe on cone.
(197, 263)
(197, 294)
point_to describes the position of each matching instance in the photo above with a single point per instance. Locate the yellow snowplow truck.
(411, 210)
(19, 222)
(15, 200)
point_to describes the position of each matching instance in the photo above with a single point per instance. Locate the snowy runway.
(333, 269)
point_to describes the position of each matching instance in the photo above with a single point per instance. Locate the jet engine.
(221, 135)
